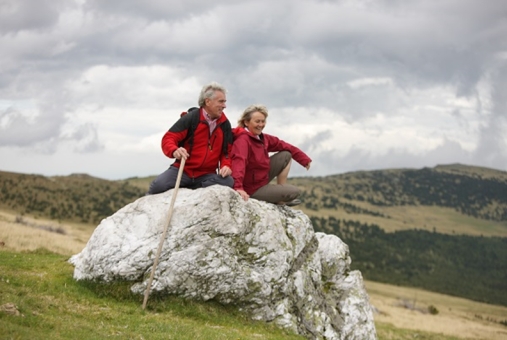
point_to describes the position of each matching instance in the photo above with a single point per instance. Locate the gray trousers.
(167, 180)
(277, 193)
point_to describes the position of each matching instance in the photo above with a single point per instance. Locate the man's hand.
(243, 194)
(180, 153)
(225, 171)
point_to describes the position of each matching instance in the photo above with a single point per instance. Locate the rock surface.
(263, 258)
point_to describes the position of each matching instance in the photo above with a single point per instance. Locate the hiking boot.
(293, 203)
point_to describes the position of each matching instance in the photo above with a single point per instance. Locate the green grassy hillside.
(49, 304)
(40, 300)
(382, 215)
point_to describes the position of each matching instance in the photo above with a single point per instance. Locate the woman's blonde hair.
(247, 114)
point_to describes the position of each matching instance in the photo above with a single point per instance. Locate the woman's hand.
(243, 194)
(308, 166)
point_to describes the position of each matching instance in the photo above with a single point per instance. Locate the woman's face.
(256, 123)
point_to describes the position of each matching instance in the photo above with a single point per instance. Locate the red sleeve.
(239, 158)
(170, 142)
(275, 144)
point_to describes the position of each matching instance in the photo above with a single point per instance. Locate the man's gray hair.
(208, 91)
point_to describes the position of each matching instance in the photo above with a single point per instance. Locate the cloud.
(492, 143)
(18, 15)
(356, 84)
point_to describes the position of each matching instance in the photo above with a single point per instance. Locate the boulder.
(263, 258)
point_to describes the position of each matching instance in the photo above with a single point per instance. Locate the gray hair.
(208, 91)
(249, 111)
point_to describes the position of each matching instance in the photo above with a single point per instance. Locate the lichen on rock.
(265, 259)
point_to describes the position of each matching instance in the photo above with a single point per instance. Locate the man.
(203, 138)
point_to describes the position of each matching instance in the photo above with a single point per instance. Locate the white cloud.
(91, 86)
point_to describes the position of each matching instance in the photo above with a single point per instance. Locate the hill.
(76, 198)
(443, 229)
(36, 281)
(449, 199)
(477, 197)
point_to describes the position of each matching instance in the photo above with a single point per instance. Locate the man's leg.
(167, 180)
(212, 179)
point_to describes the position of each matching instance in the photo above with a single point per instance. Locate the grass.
(54, 306)
(29, 235)
(457, 318)
(386, 331)
(440, 219)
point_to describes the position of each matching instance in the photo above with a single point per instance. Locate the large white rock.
(263, 258)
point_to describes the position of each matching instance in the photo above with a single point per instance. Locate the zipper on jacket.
(213, 134)
(210, 144)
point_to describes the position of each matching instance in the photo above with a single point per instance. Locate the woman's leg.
(281, 192)
(282, 176)
(279, 166)
(277, 193)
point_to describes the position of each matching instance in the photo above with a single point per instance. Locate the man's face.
(215, 105)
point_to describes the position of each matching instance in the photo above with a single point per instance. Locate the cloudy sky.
(90, 86)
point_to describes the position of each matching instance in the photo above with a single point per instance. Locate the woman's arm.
(275, 144)
(239, 161)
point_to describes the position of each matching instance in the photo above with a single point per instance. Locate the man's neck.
(208, 116)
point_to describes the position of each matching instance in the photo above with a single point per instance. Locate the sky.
(90, 86)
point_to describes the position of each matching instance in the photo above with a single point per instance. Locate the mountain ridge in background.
(443, 229)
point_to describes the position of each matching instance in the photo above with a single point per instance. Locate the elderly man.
(203, 137)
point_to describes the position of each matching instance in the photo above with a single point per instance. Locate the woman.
(253, 168)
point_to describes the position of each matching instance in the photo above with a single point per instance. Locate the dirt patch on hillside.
(408, 308)
(26, 234)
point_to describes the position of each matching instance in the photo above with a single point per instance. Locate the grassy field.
(39, 282)
(439, 219)
(407, 309)
(49, 304)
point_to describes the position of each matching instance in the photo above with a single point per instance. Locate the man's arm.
(176, 134)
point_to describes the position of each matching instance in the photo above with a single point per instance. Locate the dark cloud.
(492, 144)
(87, 139)
(20, 15)
(385, 65)
(151, 10)
(361, 159)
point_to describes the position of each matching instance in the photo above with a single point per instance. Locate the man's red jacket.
(206, 155)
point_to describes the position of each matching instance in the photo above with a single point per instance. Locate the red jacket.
(206, 155)
(250, 158)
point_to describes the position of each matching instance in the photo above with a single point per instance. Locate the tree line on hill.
(484, 198)
(459, 265)
(78, 198)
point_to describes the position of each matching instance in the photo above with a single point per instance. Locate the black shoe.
(293, 203)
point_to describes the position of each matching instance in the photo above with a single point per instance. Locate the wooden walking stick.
(162, 239)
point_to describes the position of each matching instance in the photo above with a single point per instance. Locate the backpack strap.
(228, 137)
(189, 121)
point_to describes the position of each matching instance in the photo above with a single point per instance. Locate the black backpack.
(190, 119)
